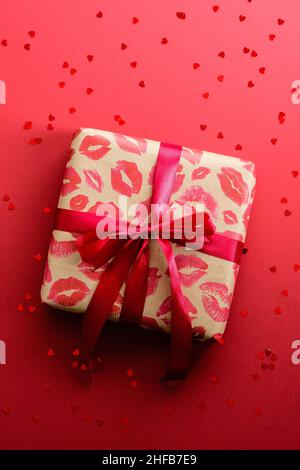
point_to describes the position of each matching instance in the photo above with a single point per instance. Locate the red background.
(47, 403)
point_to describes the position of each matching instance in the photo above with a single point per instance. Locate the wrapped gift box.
(104, 165)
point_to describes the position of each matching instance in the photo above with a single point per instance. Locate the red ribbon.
(129, 261)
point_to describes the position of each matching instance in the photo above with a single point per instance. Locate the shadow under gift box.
(102, 166)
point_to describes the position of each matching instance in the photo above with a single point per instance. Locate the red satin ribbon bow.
(127, 260)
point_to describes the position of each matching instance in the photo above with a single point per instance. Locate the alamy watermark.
(295, 357)
(295, 96)
(2, 92)
(151, 221)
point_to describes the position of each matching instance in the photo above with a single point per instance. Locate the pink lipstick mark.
(70, 182)
(216, 300)
(230, 218)
(233, 185)
(93, 180)
(79, 202)
(94, 146)
(68, 292)
(200, 173)
(166, 307)
(131, 144)
(89, 271)
(178, 180)
(61, 249)
(126, 171)
(153, 280)
(198, 194)
(192, 156)
(195, 267)
(47, 274)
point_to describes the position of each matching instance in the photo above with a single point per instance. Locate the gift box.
(159, 284)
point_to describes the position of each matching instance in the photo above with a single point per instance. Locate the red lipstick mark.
(131, 144)
(189, 262)
(166, 307)
(153, 279)
(61, 249)
(79, 202)
(94, 146)
(216, 300)
(126, 170)
(200, 173)
(233, 185)
(68, 292)
(192, 156)
(89, 271)
(230, 218)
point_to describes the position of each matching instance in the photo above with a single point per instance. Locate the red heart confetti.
(296, 267)
(50, 127)
(215, 8)
(230, 402)
(51, 117)
(295, 173)
(32, 308)
(5, 197)
(273, 269)
(281, 117)
(280, 21)
(203, 127)
(133, 64)
(255, 376)
(46, 210)
(65, 65)
(75, 364)
(27, 47)
(135, 20)
(273, 141)
(262, 70)
(287, 212)
(205, 95)
(4, 43)
(142, 84)
(277, 311)
(20, 308)
(130, 373)
(221, 54)
(31, 34)
(89, 91)
(36, 419)
(254, 54)
(11, 206)
(6, 409)
(220, 78)
(99, 421)
(181, 15)
(214, 379)
(61, 84)
(250, 84)
(73, 71)
(72, 110)
(90, 57)
(257, 411)
(284, 293)
(220, 135)
(283, 200)
(196, 65)
(246, 50)
(242, 18)
(27, 125)
(244, 313)
(164, 41)
(272, 37)
(99, 14)
(28, 296)
(50, 352)
(76, 352)
(238, 147)
(123, 46)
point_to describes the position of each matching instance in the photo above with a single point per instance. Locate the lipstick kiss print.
(61, 249)
(68, 292)
(200, 173)
(191, 268)
(233, 185)
(70, 182)
(93, 180)
(192, 156)
(198, 194)
(216, 300)
(94, 146)
(126, 178)
(131, 144)
(79, 202)
(166, 307)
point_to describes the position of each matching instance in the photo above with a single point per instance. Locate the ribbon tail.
(106, 294)
(181, 325)
(136, 287)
